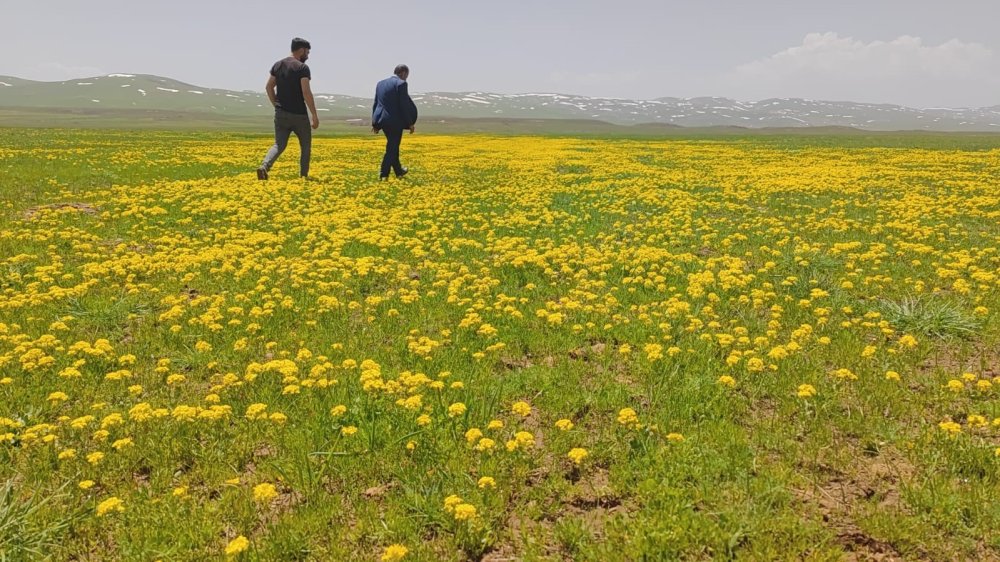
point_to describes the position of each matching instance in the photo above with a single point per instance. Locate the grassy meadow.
(530, 348)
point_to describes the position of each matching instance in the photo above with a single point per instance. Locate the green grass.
(860, 238)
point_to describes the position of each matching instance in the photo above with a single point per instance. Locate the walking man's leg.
(391, 159)
(282, 130)
(303, 131)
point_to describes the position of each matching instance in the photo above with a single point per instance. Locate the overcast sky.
(921, 53)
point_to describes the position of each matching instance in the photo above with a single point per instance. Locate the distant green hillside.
(121, 92)
(126, 91)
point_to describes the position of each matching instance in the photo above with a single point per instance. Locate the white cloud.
(905, 71)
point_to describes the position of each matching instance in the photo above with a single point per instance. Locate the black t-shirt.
(289, 73)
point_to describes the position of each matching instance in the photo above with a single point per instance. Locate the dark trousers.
(393, 137)
(285, 124)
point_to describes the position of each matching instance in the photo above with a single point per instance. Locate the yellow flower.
(950, 427)
(122, 443)
(237, 545)
(892, 375)
(976, 421)
(338, 410)
(628, 418)
(564, 424)
(94, 458)
(180, 491)
(845, 374)
(450, 502)
(726, 380)
(487, 482)
(86, 484)
(456, 409)
(112, 504)
(955, 385)
(485, 444)
(494, 424)
(524, 439)
(264, 493)
(473, 434)
(423, 420)
(394, 552)
(348, 430)
(465, 511)
(675, 437)
(778, 352)
(577, 455)
(67, 454)
(806, 391)
(521, 408)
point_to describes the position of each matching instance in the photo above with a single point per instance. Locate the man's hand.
(413, 129)
(315, 121)
(375, 130)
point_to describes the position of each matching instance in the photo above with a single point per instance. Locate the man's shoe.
(383, 178)
(261, 173)
(405, 170)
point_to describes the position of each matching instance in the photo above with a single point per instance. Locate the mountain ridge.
(145, 91)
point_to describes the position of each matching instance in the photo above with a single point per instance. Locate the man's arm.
(307, 94)
(272, 95)
(408, 108)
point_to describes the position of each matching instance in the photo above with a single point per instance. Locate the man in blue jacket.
(393, 112)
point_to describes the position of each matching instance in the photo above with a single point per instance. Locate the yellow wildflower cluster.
(190, 341)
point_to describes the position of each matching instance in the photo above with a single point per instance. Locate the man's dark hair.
(300, 43)
(401, 69)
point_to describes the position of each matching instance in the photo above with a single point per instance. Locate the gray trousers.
(285, 124)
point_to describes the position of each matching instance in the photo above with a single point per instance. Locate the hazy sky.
(920, 53)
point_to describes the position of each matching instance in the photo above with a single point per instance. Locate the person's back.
(393, 105)
(288, 74)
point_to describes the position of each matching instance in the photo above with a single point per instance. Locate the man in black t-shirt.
(290, 94)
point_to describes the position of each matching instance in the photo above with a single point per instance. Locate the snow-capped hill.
(142, 91)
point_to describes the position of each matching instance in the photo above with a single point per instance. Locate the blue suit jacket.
(393, 108)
